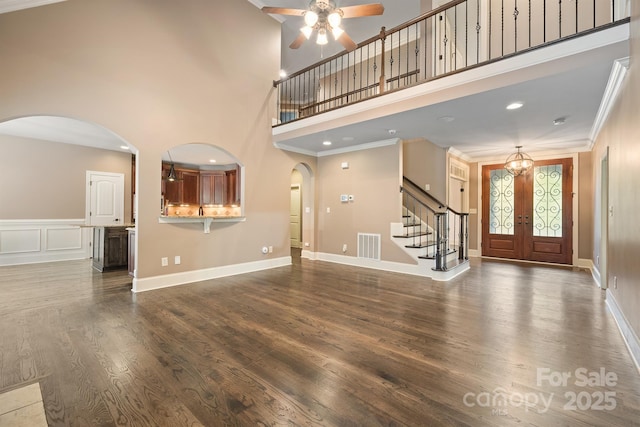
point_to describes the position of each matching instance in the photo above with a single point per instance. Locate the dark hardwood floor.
(318, 344)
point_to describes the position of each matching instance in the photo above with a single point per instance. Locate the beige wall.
(474, 188)
(373, 178)
(426, 163)
(162, 73)
(585, 205)
(48, 178)
(621, 134)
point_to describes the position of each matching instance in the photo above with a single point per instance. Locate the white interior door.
(105, 201)
(295, 218)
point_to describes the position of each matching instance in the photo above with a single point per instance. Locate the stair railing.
(457, 36)
(435, 218)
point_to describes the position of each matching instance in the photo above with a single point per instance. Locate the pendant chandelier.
(518, 163)
(172, 176)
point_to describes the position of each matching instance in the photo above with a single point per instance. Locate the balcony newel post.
(383, 36)
(438, 243)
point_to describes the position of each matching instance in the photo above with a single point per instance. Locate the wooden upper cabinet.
(190, 187)
(213, 187)
(186, 190)
(201, 187)
(172, 190)
(232, 196)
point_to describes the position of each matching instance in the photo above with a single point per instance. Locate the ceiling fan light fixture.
(310, 18)
(322, 37)
(334, 18)
(307, 31)
(337, 32)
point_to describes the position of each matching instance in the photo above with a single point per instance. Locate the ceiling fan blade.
(362, 10)
(283, 11)
(298, 41)
(347, 42)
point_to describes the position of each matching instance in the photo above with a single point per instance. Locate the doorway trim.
(576, 172)
(308, 211)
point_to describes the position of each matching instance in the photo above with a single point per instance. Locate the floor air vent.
(369, 246)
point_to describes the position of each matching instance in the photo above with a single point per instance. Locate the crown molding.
(614, 86)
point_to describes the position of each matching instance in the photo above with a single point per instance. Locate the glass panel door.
(530, 216)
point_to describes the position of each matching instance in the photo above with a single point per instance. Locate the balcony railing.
(457, 36)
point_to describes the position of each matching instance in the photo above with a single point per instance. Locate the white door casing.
(105, 198)
(295, 218)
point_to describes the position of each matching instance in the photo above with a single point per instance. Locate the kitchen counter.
(205, 220)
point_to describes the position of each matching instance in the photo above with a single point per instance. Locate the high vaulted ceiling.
(475, 125)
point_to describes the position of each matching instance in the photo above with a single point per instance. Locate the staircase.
(432, 233)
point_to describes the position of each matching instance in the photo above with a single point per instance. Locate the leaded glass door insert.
(547, 201)
(501, 202)
(530, 216)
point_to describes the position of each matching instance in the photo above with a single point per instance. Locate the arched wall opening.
(52, 158)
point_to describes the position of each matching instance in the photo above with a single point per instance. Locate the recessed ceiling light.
(124, 147)
(559, 121)
(392, 132)
(515, 105)
(326, 143)
(212, 160)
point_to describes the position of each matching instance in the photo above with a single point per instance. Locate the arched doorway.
(302, 212)
(66, 167)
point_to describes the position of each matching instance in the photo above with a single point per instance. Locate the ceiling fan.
(324, 17)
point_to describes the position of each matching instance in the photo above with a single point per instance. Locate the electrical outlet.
(328, 210)
(615, 282)
(306, 244)
(344, 248)
(176, 260)
(164, 261)
(270, 249)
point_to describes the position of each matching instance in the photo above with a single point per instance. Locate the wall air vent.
(369, 246)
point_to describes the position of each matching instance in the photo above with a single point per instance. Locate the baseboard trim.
(186, 277)
(418, 269)
(628, 335)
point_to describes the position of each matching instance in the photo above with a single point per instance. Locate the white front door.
(105, 201)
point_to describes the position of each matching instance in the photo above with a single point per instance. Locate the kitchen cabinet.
(185, 190)
(219, 187)
(110, 248)
(213, 188)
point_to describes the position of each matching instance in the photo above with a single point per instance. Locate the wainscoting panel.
(34, 241)
(19, 241)
(60, 239)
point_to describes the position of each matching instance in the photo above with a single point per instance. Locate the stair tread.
(433, 257)
(414, 234)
